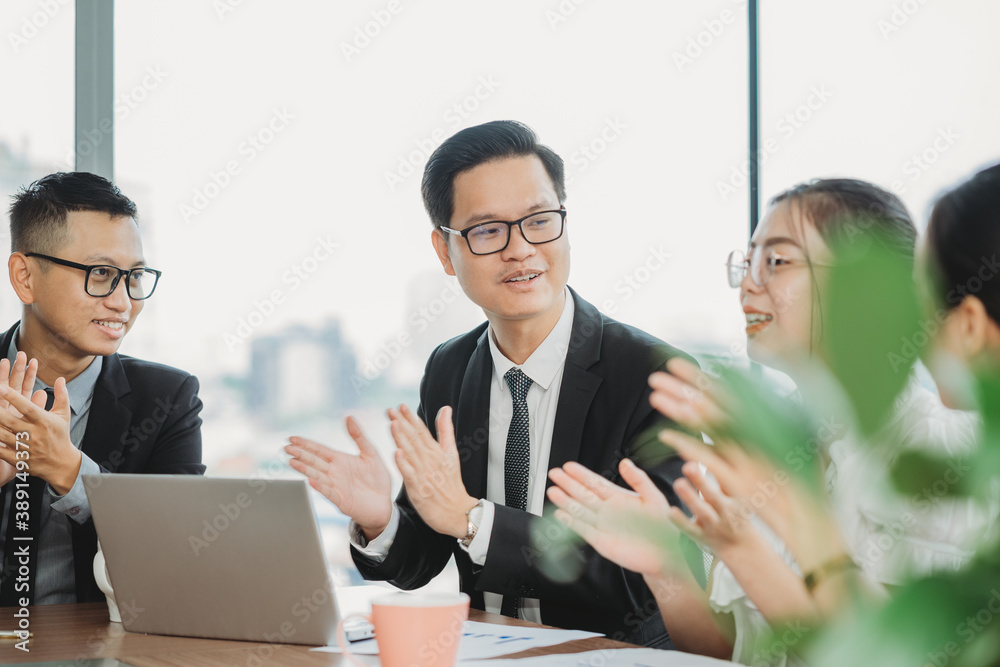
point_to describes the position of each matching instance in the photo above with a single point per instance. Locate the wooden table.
(72, 632)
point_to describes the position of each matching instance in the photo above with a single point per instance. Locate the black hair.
(477, 145)
(846, 211)
(963, 239)
(38, 212)
(843, 208)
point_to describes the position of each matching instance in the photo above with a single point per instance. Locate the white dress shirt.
(545, 368)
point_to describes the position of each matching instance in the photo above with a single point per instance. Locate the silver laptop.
(215, 557)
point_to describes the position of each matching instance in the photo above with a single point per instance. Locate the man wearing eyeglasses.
(69, 404)
(546, 380)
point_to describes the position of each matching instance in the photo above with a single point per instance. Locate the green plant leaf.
(871, 324)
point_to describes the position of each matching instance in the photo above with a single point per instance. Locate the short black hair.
(963, 237)
(38, 212)
(477, 145)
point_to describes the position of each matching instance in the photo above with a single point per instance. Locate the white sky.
(678, 131)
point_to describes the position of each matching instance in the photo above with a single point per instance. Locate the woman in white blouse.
(762, 529)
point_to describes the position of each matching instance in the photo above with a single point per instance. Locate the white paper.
(627, 657)
(488, 640)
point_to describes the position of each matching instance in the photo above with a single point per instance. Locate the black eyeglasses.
(102, 279)
(487, 238)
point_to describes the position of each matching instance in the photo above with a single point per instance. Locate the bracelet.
(839, 563)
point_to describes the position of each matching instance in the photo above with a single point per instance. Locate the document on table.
(489, 640)
(617, 657)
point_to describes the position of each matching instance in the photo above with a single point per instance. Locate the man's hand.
(431, 471)
(20, 378)
(52, 454)
(629, 528)
(358, 485)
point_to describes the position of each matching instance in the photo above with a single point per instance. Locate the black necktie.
(20, 554)
(516, 461)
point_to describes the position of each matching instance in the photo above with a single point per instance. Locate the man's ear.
(440, 242)
(21, 278)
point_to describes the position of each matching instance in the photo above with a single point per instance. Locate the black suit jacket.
(144, 418)
(603, 414)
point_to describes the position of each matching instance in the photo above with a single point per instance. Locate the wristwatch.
(473, 523)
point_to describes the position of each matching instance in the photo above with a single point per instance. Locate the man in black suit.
(69, 404)
(548, 379)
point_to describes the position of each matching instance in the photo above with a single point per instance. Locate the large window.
(898, 92)
(36, 117)
(275, 152)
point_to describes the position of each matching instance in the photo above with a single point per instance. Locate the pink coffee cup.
(413, 629)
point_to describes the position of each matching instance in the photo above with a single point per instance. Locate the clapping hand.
(630, 528)
(358, 484)
(20, 377)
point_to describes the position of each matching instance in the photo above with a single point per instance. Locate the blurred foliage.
(871, 326)
(985, 473)
(949, 618)
(872, 335)
(760, 419)
(945, 619)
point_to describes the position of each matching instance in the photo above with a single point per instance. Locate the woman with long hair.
(778, 546)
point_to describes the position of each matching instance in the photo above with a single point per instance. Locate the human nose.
(119, 300)
(747, 285)
(518, 247)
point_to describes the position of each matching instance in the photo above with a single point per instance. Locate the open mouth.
(523, 278)
(112, 327)
(756, 322)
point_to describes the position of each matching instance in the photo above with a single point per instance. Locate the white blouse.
(727, 596)
(888, 534)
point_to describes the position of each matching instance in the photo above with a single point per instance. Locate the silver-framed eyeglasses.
(487, 238)
(760, 265)
(102, 279)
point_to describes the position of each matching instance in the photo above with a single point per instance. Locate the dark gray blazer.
(144, 418)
